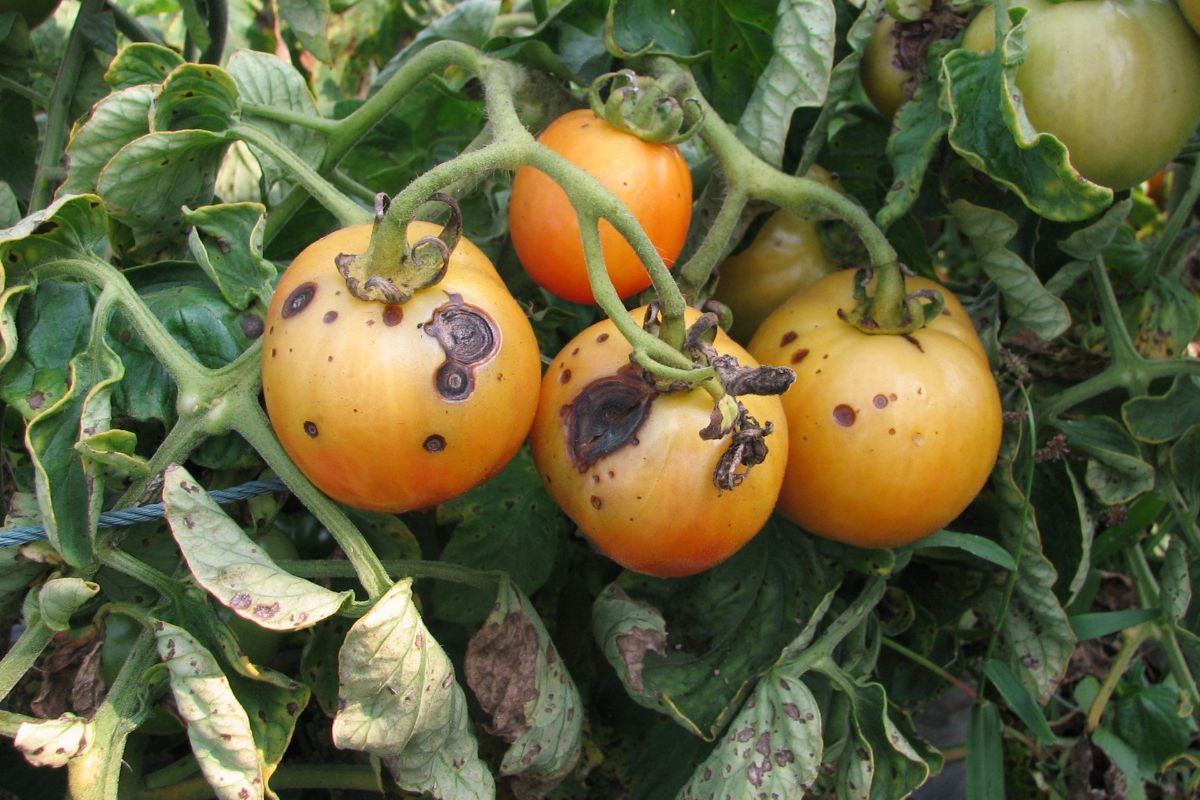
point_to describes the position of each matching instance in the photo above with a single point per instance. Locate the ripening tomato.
(651, 179)
(398, 407)
(629, 467)
(1116, 81)
(785, 256)
(891, 436)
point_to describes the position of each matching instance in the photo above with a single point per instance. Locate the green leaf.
(1019, 701)
(267, 80)
(151, 178)
(1029, 305)
(1184, 462)
(38, 364)
(217, 724)
(273, 711)
(985, 754)
(971, 543)
(1148, 720)
(226, 241)
(10, 209)
(1090, 242)
(141, 63)
(773, 747)
(17, 574)
(53, 742)
(196, 96)
(509, 524)
(522, 684)
(739, 37)
(989, 129)
(470, 22)
(883, 759)
(1125, 759)
(1067, 527)
(113, 123)
(231, 566)
(195, 22)
(59, 598)
(70, 227)
(18, 142)
(1105, 623)
(1035, 634)
(308, 20)
(918, 129)
(727, 626)
(1165, 417)
(112, 450)
(399, 701)
(1116, 471)
(1164, 319)
(797, 76)
(1175, 584)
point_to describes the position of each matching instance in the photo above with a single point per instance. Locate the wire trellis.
(146, 513)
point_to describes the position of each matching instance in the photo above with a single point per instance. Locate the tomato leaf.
(518, 677)
(1164, 319)
(739, 37)
(797, 75)
(977, 546)
(1184, 463)
(885, 763)
(113, 123)
(10, 209)
(53, 742)
(990, 130)
(18, 142)
(509, 524)
(1035, 635)
(217, 724)
(726, 626)
(231, 566)
(1116, 471)
(141, 63)
(59, 598)
(269, 81)
(35, 375)
(226, 241)
(918, 129)
(1167, 416)
(308, 20)
(149, 179)
(773, 747)
(1029, 305)
(196, 96)
(399, 701)
(273, 712)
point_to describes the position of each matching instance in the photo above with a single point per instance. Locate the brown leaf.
(501, 669)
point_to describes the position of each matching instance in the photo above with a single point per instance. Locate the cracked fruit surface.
(628, 466)
(398, 407)
(651, 179)
(891, 437)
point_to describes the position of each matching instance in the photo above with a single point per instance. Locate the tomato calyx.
(643, 107)
(890, 311)
(390, 270)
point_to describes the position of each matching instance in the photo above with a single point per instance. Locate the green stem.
(1120, 344)
(314, 122)
(1133, 640)
(1149, 596)
(922, 661)
(1182, 212)
(24, 653)
(397, 569)
(140, 571)
(251, 422)
(58, 106)
(352, 187)
(218, 30)
(130, 26)
(343, 208)
(37, 98)
(695, 273)
(348, 777)
(10, 723)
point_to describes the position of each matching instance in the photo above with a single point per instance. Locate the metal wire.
(147, 513)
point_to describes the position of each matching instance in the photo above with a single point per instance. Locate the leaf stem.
(314, 122)
(397, 569)
(24, 653)
(1182, 212)
(1132, 641)
(921, 660)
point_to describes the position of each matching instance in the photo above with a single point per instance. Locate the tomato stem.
(23, 654)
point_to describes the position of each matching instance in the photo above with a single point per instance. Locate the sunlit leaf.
(59, 598)
(53, 742)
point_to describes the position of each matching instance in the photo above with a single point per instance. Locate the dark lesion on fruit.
(469, 337)
(300, 298)
(606, 416)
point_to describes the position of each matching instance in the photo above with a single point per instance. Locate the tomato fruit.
(651, 179)
(785, 256)
(398, 407)
(35, 12)
(1116, 81)
(1191, 12)
(891, 436)
(629, 467)
(883, 79)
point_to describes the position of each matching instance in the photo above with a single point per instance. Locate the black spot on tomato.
(606, 416)
(330, 316)
(596, 502)
(310, 428)
(879, 401)
(602, 338)
(564, 376)
(454, 381)
(299, 299)
(788, 338)
(844, 415)
(435, 443)
(908, 337)
(799, 355)
(392, 315)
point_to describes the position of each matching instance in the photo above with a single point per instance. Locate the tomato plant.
(628, 465)
(394, 407)
(1141, 59)
(35, 12)
(892, 435)
(785, 256)
(652, 179)
(884, 79)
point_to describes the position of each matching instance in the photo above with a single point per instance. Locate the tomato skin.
(785, 256)
(652, 506)
(651, 179)
(35, 12)
(1114, 80)
(891, 436)
(351, 386)
(1191, 12)
(884, 81)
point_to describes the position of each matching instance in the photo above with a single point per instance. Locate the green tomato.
(883, 79)
(1116, 81)
(35, 12)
